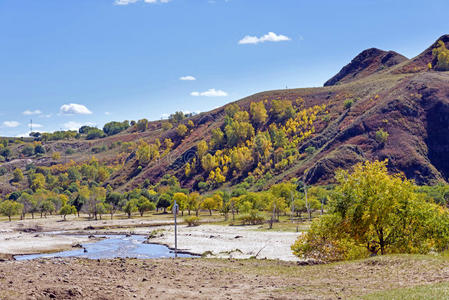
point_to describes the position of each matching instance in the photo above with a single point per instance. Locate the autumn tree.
(202, 148)
(182, 130)
(258, 113)
(210, 204)
(441, 54)
(282, 110)
(373, 212)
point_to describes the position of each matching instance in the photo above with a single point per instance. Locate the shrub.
(252, 218)
(381, 136)
(310, 150)
(69, 151)
(192, 221)
(348, 103)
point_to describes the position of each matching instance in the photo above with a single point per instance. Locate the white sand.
(231, 241)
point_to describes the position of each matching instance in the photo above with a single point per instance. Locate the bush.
(382, 136)
(192, 221)
(69, 151)
(310, 150)
(252, 218)
(348, 103)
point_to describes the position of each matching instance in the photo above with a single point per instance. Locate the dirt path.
(213, 278)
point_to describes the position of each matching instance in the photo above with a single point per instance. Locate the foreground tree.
(373, 212)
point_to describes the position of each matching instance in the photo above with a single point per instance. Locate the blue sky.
(72, 62)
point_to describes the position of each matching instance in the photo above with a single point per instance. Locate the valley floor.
(218, 240)
(389, 277)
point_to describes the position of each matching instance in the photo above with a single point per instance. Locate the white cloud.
(188, 78)
(11, 124)
(210, 93)
(32, 112)
(124, 2)
(23, 135)
(269, 37)
(76, 125)
(73, 108)
(36, 125)
(107, 113)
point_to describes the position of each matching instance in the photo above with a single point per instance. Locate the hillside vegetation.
(249, 155)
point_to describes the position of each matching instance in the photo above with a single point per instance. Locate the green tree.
(142, 125)
(67, 209)
(10, 208)
(130, 206)
(144, 205)
(95, 133)
(17, 175)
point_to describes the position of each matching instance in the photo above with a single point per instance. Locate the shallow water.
(113, 246)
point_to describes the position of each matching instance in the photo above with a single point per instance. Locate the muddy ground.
(213, 278)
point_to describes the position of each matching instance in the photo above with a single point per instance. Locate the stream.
(113, 246)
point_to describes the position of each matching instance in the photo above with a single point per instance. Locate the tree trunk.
(381, 241)
(64, 217)
(9, 217)
(210, 212)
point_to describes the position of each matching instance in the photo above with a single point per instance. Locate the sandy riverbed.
(36, 236)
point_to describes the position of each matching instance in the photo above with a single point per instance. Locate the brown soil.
(213, 278)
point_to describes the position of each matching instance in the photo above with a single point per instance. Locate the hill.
(380, 106)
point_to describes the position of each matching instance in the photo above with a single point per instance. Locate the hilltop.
(380, 106)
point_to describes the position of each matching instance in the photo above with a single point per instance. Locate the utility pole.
(175, 212)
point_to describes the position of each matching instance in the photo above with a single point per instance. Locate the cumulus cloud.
(74, 109)
(210, 93)
(36, 125)
(72, 125)
(11, 124)
(32, 112)
(187, 78)
(269, 37)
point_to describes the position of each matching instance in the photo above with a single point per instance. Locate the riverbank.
(407, 276)
(223, 241)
